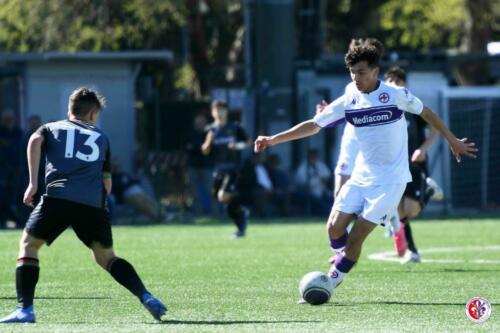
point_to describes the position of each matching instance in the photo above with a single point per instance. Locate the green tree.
(89, 25)
(347, 19)
(214, 31)
(423, 24)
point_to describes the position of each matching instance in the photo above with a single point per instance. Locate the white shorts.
(349, 149)
(376, 203)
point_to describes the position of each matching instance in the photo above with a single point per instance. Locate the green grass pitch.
(212, 284)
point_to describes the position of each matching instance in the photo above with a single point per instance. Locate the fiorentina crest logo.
(478, 309)
(383, 97)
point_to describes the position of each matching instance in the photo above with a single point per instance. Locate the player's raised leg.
(124, 273)
(27, 272)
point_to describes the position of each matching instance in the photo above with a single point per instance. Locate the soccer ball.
(316, 288)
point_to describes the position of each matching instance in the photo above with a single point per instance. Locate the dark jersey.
(416, 132)
(10, 149)
(76, 156)
(221, 154)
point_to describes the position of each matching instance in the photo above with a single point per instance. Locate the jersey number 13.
(90, 142)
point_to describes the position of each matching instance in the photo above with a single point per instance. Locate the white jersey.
(379, 128)
(348, 151)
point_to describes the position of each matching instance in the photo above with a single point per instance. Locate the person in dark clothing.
(78, 180)
(282, 187)
(11, 139)
(200, 167)
(129, 191)
(255, 179)
(33, 124)
(223, 142)
(419, 190)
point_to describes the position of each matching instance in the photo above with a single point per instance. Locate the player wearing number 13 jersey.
(78, 179)
(76, 174)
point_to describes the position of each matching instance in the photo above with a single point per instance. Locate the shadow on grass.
(57, 298)
(459, 270)
(233, 322)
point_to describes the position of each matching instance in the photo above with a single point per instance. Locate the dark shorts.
(226, 180)
(53, 215)
(417, 189)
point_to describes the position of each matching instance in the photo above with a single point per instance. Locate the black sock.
(236, 214)
(27, 272)
(409, 237)
(124, 273)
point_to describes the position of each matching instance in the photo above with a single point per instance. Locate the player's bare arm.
(458, 147)
(299, 131)
(419, 155)
(108, 185)
(34, 152)
(207, 144)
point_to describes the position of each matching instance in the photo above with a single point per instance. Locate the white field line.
(391, 256)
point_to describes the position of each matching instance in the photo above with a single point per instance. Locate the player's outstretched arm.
(458, 147)
(299, 131)
(206, 147)
(108, 184)
(34, 152)
(419, 155)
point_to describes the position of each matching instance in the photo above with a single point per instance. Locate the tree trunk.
(479, 30)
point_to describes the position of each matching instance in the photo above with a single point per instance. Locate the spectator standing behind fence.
(34, 122)
(200, 167)
(11, 138)
(313, 179)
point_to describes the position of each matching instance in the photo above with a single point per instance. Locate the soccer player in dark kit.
(223, 142)
(77, 178)
(421, 188)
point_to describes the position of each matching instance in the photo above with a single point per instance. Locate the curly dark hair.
(84, 100)
(368, 49)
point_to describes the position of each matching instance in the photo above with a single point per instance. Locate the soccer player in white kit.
(417, 192)
(381, 171)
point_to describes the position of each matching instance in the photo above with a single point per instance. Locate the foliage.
(424, 23)
(346, 19)
(89, 25)
(185, 79)
(409, 24)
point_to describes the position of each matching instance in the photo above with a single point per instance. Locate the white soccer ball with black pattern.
(316, 288)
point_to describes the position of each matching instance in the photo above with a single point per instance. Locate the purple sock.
(338, 243)
(343, 264)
